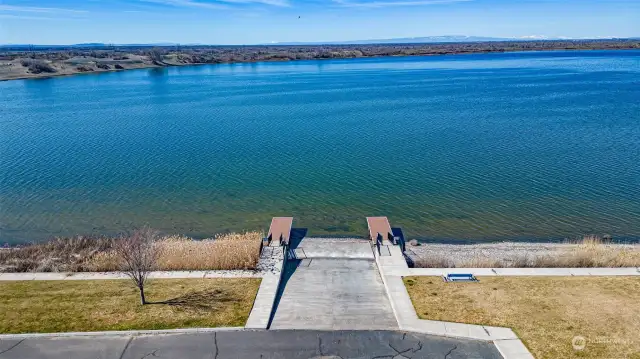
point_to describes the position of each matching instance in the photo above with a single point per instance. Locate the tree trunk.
(143, 301)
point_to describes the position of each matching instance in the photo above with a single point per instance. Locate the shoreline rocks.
(512, 254)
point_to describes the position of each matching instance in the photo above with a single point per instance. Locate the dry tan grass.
(82, 254)
(545, 312)
(86, 305)
(228, 251)
(56, 255)
(591, 251)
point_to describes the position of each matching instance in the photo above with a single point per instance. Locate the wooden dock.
(280, 230)
(379, 225)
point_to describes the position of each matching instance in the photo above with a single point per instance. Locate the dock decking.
(379, 225)
(280, 230)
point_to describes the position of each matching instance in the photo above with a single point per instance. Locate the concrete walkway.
(260, 314)
(118, 275)
(299, 344)
(519, 271)
(320, 251)
(336, 286)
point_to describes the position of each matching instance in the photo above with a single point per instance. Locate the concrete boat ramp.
(351, 284)
(332, 284)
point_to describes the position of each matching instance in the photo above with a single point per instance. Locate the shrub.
(156, 55)
(56, 255)
(37, 66)
(84, 68)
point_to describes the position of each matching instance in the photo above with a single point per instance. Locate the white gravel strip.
(270, 260)
(456, 255)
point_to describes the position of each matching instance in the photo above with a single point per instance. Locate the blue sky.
(265, 21)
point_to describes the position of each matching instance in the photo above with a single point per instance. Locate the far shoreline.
(62, 69)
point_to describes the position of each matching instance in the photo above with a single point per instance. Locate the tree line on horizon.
(176, 55)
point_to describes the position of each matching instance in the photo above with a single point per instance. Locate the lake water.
(515, 146)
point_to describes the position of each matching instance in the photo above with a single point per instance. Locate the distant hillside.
(98, 45)
(442, 39)
(407, 40)
(402, 40)
(47, 61)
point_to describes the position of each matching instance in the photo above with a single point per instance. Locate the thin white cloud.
(282, 3)
(378, 4)
(33, 9)
(21, 17)
(218, 5)
(187, 3)
(535, 37)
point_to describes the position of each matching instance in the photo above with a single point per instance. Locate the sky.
(265, 21)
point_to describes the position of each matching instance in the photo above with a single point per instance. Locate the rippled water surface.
(497, 146)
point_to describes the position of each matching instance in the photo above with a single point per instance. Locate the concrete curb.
(119, 333)
(512, 349)
(260, 315)
(263, 304)
(118, 275)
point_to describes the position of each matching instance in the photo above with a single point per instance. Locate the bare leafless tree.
(138, 254)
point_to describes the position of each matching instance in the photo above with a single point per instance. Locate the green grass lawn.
(96, 305)
(545, 312)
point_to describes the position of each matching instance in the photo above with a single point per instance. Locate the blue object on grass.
(459, 277)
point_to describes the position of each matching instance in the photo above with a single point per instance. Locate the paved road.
(336, 287)
(299, 344)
